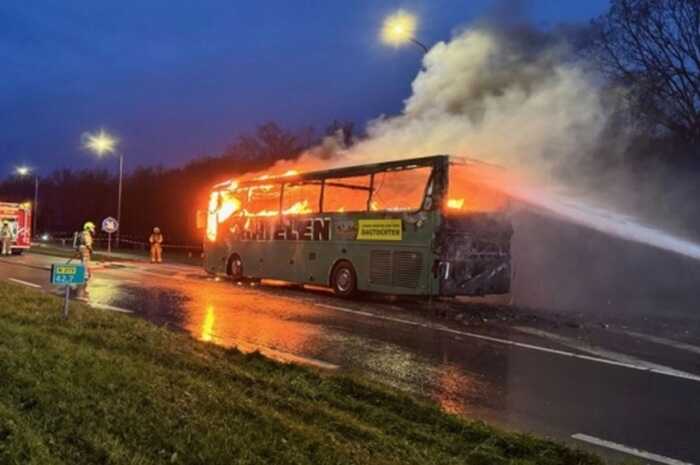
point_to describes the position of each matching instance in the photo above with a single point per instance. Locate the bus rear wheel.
(235, 268)
(344, 279)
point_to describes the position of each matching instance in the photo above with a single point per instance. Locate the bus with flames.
(423, 226)
(19, 217)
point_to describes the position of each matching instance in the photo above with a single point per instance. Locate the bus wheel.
(344, 279)
(235, 268)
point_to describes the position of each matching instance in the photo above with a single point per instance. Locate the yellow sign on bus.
(380, 230)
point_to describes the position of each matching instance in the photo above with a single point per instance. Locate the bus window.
(400, 190)
(263, 200)
(469, 191)
(300, 198)
(346, 194)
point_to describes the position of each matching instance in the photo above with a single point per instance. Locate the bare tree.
(652, 47)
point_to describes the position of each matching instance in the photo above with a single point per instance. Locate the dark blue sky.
(176, 79)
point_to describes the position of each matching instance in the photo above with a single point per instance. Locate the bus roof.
(347, 171)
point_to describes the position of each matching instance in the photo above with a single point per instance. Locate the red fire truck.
(19, 216)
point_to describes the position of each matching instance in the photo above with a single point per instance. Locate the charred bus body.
(424, 226)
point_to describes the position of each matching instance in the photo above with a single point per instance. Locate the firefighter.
(156, 241)
(84, 244)
(6, 238)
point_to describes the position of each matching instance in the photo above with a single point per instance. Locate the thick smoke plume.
(509, 99)
(513, 98)
(518, 100)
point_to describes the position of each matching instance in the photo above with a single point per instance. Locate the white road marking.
(664, 341)
(277, 355)
(165, 276)
(25, 283)
(522, 345)
(284, 357)
(597, 351)
(110, 308)
(628, 450)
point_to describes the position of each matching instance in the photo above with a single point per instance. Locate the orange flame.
(472, 188)
(298, 208)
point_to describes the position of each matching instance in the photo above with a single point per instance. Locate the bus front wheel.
(344, 279)
(235, 268)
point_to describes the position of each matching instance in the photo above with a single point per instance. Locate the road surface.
(590, 385)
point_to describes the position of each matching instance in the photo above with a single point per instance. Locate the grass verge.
(108, 388)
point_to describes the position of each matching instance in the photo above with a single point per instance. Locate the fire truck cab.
(19, 216)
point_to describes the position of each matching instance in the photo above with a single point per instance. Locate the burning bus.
(19, 216)
(423, 226)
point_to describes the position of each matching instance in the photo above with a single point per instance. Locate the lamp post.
(23, 171)
(102, 143)
(400, 28)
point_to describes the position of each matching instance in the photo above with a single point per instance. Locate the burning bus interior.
(471, 230)
(393, 186)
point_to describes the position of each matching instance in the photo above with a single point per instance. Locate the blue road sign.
(110, 225)
(67, 275)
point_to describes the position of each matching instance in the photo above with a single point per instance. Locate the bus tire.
(235, 268)
(344, 279)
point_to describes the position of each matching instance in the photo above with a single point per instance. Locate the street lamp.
(400, 28)
(23, 171)
(101, 144)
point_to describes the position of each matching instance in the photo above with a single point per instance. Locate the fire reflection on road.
(208, 325)
(292, 324)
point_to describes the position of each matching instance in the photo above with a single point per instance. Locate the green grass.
(112, 389)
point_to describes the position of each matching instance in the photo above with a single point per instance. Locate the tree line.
(158, 196)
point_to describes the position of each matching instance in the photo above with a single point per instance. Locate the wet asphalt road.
(515, 379)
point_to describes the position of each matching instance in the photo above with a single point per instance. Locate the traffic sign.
(68, 275)
(110, 225)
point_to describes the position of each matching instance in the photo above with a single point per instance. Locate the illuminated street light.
(102, 143)
(400, 28)
(23, 171)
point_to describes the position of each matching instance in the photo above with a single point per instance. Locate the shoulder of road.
(102, 387)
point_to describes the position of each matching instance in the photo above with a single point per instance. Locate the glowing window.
(301, 198)
(400, 190)
(469, 190)
(346, 194)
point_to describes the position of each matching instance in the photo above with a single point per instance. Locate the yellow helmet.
(89, 226)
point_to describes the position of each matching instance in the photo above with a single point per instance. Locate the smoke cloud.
(514, 97)
(486, 96)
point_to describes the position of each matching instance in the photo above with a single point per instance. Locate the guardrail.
(183, 253)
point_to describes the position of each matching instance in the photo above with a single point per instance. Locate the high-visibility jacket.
(156, 239)
(6, 232)
(85, 239)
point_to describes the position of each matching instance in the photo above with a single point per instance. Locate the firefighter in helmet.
(6, 237)
(156, 241)
(84, 244)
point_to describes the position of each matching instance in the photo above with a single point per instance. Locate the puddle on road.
(289, 324)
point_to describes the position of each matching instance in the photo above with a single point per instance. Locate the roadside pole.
(67, 275)
(65, 303)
